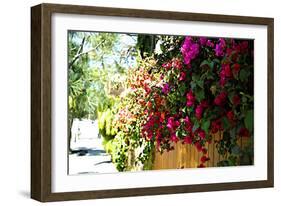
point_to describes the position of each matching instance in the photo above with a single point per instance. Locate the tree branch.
(80, 53)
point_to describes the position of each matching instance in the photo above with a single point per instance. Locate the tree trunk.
(70, 122)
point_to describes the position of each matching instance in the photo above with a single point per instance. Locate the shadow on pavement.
(83, 151)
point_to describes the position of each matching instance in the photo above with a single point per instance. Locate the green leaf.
(217, 61)
(230, 96)
(182, 99)
(205, 62)
(244, 74)
(192, 85)
(210, 75)
(249, 120)
(184, 109)
(200, 94)
(212, 64)
(182, 89)
(178, 133)
(195, 126)
(195, 77)
(244, 99)
(205, 126)
(226, 123)
(209, 63)
(200, 83)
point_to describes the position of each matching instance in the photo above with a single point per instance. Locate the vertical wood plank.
(181, 156)
(211, 153)
(187, 157)
(166, 160)
(244, 141)
(207, 147)
(173, 159)
(179, 153)
(216, 154)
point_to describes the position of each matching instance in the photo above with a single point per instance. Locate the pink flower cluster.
(174, 63)
(189, 50)
(220, 47)
(166, 88)
(148, 129)
(216, 126)
(225, 73)
(220, 99)
(172, 126)
(200, 109)
(190, 99)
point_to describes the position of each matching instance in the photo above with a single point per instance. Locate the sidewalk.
(89, 157)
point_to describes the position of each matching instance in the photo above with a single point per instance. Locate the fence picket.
(187, 156)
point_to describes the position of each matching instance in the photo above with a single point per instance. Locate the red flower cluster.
(236, 100)
(174, 63)
(190, 99)
(220, 100)
(225, 74)
(244, 132)
(231, 116)
(149, 129)
(216, 126)
(200, 109)
(236, 68)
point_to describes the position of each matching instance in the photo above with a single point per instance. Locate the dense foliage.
(183, 89)
(96, 69)
(194, 88)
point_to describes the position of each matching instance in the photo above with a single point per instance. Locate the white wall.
(15, 101)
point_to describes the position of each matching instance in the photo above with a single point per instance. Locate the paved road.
(89, 157)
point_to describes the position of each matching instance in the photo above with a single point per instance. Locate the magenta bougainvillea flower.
(189, 50)
(187, 140)
(236, 100)
(182, 76)
(201, 134)
(167, 65)
(176, 63)
(190, 99)
(220, 47)
(216, 126)
(236, 69)
(231, 116)
(166, 88)
(204, 159)
(244, 132)
(203, 41)
(225, 74)
(210, 43)
(198, 112)
(174, 138)
(172, 124)
(220, 100)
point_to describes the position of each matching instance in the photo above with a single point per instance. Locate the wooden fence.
(187, 156)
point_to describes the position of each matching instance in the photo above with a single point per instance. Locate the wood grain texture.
(270, 102)
(41, 101)
(36, 150)
(179, 158)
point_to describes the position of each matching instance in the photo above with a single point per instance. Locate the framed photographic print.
(129, 102)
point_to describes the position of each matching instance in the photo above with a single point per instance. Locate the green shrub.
(105, 125)
(119, 152)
